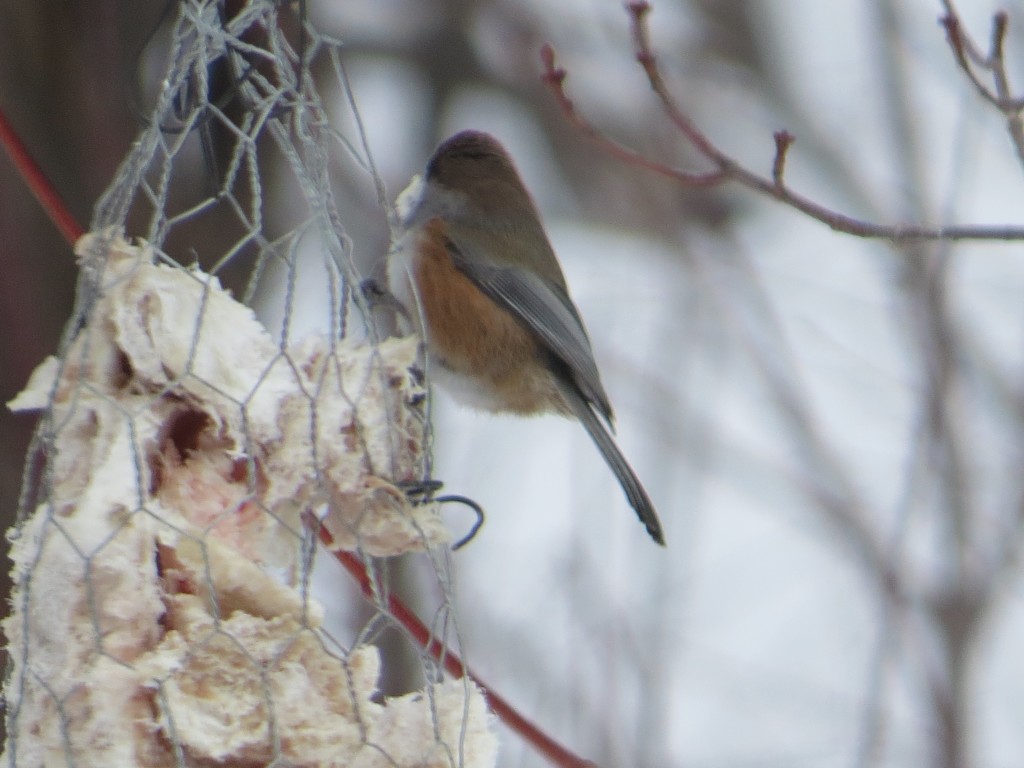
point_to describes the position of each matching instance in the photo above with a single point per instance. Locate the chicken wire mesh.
(188, 457)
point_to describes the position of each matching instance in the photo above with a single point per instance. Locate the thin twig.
(783, 141)
(730, 169)
(553, 77)
(970, 60)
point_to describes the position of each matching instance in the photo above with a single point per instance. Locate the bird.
(482, 286)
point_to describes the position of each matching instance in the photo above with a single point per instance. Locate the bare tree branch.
(970, 58)
(727, 168)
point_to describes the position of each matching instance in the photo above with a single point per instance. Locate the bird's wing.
(544, 308)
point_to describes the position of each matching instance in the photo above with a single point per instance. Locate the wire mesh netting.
(191, 451)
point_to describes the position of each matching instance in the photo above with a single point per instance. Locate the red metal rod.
(551, 749)
(547, 746)
(36, 180)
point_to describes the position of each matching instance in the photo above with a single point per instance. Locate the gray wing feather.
(547, 311)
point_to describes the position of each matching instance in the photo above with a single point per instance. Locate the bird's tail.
(627, 478)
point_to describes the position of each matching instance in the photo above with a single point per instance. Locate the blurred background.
(831, 427)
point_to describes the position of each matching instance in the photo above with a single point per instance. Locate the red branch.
(547, 746)
(970, 58)
(728, 168)
(554, 76)
(977, 66)
(36, 180)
